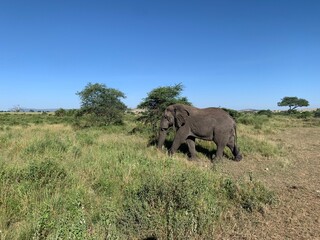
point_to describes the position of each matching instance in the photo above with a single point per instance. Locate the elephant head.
(174, 115)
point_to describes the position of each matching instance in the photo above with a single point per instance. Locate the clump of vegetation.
(256, 120)
(304, 115)
(171, 205)
(267, 113)
(184, 204)
(233, 113)
(158, 100)
(90, 184)
(250, 195)
(43, 173)
(293, 103)
(317, 113)
(155, 104)
(250, 145)
(100, 106)
(28, 119)
(65, 112)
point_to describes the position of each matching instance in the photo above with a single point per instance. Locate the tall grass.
(27, 119)
(103, 183)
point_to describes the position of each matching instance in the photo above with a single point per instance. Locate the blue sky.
(230, 53)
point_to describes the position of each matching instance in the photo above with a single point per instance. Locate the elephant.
(212, 124)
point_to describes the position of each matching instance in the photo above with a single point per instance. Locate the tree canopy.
(293, 103)
(162, 97)
(159, 99)
(103, 105)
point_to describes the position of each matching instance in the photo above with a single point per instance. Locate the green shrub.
(252, 119)
(103, 183)
(268, 113)
(51, 145)
(60, 112)
(233, 113)
(43, 173)
(250, 195)
(177, 205)
(180, 204)
(23, 192)
(101, 106)
(155, 104)
(27, 119)
(304, 115)
(317, 113)
(262, 147)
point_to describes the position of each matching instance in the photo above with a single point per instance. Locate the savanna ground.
(58, 182)
(293, 176)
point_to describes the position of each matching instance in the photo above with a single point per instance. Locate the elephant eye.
(167, 118)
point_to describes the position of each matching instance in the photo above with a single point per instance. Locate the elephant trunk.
(162, 137)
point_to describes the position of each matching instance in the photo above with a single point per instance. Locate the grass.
(28, 119)
(60, 183)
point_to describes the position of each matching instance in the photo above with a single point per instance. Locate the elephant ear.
(181, 116)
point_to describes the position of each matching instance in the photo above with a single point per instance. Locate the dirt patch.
(295, 179)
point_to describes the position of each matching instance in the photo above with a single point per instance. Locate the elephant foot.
(216, 158)
(193, 158)
(170, 153)
(238, 158)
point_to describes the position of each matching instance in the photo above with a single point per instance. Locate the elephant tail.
(236, 149)
(235, 135)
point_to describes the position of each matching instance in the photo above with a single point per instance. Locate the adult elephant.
(213, 124)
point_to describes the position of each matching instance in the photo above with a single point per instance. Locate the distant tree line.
(102, 106)
(66, 112)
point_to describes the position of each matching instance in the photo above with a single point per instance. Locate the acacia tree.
(101, 105)
(293, 103)
(157, 101)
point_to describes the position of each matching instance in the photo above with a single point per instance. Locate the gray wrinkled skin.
(212, 124)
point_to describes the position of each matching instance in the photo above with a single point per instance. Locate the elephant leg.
(237, 154)
(234, 149)
(192, 148)
(178, 140)
(221, 141)
(219, 153)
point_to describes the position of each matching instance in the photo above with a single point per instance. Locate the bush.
(304, 115)
(52, 145)
(65, 112)
(101, 106)
(253, 119)
(33, 118)
(91, 184)
(156, 102)
(250, 195)
(178, 206)
(317, 113)
(264, 148)
(265, 112)
(46, 173)
(233, 113)
(60, 112)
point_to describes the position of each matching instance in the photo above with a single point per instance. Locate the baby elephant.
(213, 124)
